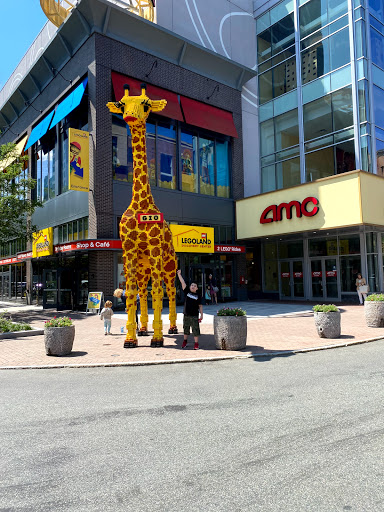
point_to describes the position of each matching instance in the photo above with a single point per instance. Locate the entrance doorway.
(291, 279)
(199, 274)
(324, 279)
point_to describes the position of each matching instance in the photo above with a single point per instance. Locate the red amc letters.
(276, 211)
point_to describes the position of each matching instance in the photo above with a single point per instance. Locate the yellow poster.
(42, 243)
(94, 300)
(193, 238)
(78, 160)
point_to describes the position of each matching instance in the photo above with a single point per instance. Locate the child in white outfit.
(106, 315)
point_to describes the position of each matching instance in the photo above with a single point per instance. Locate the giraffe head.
(136, 109)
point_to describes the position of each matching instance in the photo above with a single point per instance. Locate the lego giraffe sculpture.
(148, 250)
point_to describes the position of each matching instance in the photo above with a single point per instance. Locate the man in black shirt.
(192, 307)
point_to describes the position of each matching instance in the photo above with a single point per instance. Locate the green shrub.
(64, 321)
(6, 325)
(325, 308)
(376, 297)
(231, 312)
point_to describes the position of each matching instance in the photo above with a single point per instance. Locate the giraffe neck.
(141, 190)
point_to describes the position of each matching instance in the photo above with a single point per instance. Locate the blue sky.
(20, 22)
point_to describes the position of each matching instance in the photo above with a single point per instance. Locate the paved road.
(297, 433)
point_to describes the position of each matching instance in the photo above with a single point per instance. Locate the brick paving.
(268, 335)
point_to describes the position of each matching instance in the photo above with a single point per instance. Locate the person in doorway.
(213, 288)
(361, 287)
(106, 315)
(192, 307)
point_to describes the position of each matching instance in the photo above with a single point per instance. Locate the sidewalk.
(274, 328)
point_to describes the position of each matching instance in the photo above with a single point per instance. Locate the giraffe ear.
(158, 105)
(114, 108)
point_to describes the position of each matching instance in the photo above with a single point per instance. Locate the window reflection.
(188, 162)
(166, 140)
(206, 163)
(222, 164)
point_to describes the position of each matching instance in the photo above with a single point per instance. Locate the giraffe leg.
(172, 311)
(157, 303)
(131, 290)
(143, 292)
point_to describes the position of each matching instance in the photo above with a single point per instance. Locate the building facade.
(194, 152)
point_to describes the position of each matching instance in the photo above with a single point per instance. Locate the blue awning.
(70, 103)
(39, 130)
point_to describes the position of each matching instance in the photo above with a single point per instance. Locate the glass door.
(291, 279)
(324, 276)
(50, 289)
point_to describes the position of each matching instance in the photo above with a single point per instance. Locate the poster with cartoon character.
(78, 160)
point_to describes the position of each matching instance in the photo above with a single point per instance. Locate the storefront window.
(166, 141)
(288, 173)
(317, 14)
(151, 152)
(349, 245)
(322, 247)
(207, 167)
(291, 250)
(222, 166)
(350, 266)
(188, 161)
(271, 281)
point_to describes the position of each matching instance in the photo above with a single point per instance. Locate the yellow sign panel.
(94, 300)
(42, 243)
(193, 238)
(78, 160)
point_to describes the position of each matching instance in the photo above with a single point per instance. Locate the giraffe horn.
(143, 89)
(126, 90)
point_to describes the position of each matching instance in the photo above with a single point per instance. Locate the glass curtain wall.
(323, 55)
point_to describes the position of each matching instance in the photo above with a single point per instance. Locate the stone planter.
(374, 313)
(230, 332)
(59, 340)
(328, 325)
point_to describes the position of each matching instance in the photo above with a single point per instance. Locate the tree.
(16, 205)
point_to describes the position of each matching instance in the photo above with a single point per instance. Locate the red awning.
(172, 110)
(206, 116)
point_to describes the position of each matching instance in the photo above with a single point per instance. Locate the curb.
(21, 334)
(194, 360)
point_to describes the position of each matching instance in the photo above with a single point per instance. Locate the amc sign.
(274, 213)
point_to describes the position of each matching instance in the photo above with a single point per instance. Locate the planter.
(374, 313)
(328, 324)
(59, 340)
(230, 332)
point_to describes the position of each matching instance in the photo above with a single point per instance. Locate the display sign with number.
(150, 217)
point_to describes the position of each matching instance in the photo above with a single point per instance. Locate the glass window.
(322, 247)
(378, 105)
(349, 245)
(270, 250)
(85, 227)
(288, 173)
(319, 164)
(363, 101)
(271, 281)
(376, 7)
(265, 87)
(122, 159)
(207, 166)
(373, 273)
(360, 42)
(268, 179)
(377, 48)
(345, 157)
(342, 108)
(350, 266)
(64, 171)
(286, 130)
(318, 13)
(315, 61)
(44, 176)
(291, 250)
(70, 232)
(75, 230)
(380, 157)
(267, 139)
(188, 161)
(276, 38)
(339, 49)
(222, 165)
(317, 117)
(166, 143)
(284, 77)
(371, 241)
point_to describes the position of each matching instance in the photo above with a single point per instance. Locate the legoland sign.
(193, 238)
(274, 213)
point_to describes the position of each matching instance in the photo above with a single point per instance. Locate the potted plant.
(59, 334)
(327, 320)
(230, 329)
(374, 310)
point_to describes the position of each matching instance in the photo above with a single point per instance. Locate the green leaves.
(376, 297)
(231, 312)
(325, 308)
(16, 205)
(64, 321)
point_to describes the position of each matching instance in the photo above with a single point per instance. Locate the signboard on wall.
(78, 161)
(193, 238)
(42, 243)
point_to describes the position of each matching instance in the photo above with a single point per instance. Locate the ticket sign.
(42, 243)
(78, 160)
(94, 301)
(149, 217)
(285, 274)
(317, 274)
(298, 274)
(331, 273)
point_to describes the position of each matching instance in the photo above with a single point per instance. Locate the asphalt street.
(297, 433)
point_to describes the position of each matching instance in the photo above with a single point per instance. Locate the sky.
(20, 23)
